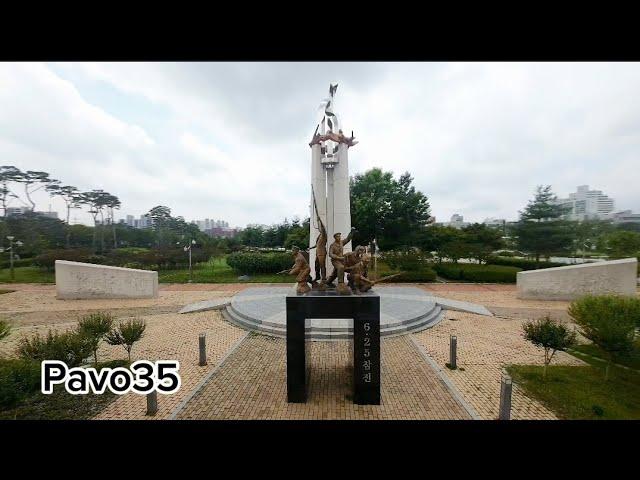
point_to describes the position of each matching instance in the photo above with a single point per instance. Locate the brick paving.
(175, 337)
(251, 384)
(485, 346)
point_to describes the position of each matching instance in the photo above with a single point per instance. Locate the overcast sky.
(230, 140)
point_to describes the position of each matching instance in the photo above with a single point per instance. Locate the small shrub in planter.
(609, 321)
(94, 327)
(71, 347)
(126, 334)
(549, 335)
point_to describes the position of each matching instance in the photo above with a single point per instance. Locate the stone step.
(280, 325)
(319, 333)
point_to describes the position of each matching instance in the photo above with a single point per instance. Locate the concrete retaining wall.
(75, 280)
(573, 281)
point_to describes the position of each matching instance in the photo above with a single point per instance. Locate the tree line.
(16, 185)
(388, 209)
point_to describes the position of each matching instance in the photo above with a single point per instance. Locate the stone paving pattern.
(485, 346)
(251, 384)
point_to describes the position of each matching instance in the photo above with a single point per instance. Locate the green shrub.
(22, 262)
(5, 328)
(523, 263)
(549, 335)
(406, 260)
(477, 273)
(94, 327)
(253, 262)
(422, 275)
(71, 347)
(609, 321)
(18, 379)
(126, 334)
(47, 259)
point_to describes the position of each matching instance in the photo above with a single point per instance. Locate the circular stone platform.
(402, 310)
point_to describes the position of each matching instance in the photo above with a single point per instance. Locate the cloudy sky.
(230, 140)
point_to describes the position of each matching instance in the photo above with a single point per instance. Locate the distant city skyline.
(590, 203)
(477, 137)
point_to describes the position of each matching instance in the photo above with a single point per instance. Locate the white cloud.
(477, 137)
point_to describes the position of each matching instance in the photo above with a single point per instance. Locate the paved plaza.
(246, 376)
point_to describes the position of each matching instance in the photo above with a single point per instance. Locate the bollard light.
(152, 403)
(203, 349)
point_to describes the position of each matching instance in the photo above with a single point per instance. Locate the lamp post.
(17, 243)
(187, 248)
(585, 245)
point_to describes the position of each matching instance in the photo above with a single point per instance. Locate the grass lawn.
(631, 360)
(581, 393)
(27, 275)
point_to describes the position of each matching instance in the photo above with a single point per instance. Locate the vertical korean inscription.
(366, 351)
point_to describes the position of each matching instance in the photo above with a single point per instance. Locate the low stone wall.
(75, 280)
(573, 281)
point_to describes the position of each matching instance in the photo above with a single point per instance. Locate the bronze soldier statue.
(357, 272)
(350, 259)
(301, 270)
(336, 253)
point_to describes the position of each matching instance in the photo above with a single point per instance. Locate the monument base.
(365, 311)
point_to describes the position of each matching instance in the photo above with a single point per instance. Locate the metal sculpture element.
(321, 248)
(330, 120)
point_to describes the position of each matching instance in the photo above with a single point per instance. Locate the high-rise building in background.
(457, 221)
(585, 204)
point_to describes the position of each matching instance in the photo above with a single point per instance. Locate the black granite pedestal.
(365, 311)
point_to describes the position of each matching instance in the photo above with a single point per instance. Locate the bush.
(126, 334)
(94, 327)
(522, 263)
(71, 347)
(18, 379)
(609, 321)
(406, 260)
(250, 263)
(47, 260)
(549, 335)
(22, 262)
(422, 275)
(477, 273)
(5, 328)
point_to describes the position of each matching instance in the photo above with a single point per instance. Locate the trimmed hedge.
(22, 262)
(477, 273)
(163, 259)
(423, 275)
(252, 262)
(522, 263)
(47, 260)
